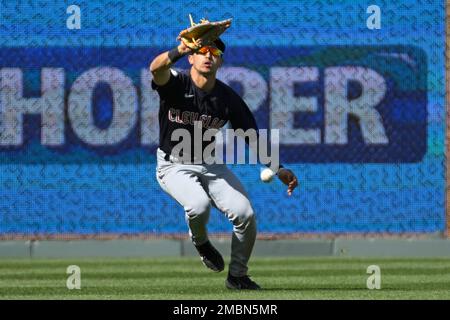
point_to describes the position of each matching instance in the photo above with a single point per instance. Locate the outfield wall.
(78, 121)
(338, 247)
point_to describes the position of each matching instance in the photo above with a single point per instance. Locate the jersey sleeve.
(240, 115)
(175, 82)
(242, 118)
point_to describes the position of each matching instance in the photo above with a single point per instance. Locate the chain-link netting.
(357, 93)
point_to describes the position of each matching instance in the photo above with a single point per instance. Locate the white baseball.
(267, 175)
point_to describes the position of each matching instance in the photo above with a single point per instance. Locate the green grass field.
(187, 278)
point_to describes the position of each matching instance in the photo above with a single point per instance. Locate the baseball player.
(195, 95)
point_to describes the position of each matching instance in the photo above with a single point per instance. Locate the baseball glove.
(206, 31)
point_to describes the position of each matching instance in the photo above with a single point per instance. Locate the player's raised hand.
(188, 48)
(288, 178)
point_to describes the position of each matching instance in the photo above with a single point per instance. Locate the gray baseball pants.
(198, 186)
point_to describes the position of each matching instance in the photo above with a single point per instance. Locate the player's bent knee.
(243, 214)
(197, 209)
(250, 218)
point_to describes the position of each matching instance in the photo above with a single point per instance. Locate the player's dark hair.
(220, 44)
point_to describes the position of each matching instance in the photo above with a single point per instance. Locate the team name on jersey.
(188, 117)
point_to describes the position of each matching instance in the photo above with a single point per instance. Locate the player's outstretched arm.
(160, 66)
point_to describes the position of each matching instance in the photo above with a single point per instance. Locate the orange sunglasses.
(214, 51)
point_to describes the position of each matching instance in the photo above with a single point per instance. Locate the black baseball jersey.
(182, 103)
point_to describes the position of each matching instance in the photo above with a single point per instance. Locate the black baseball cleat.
(241, 283)
(211, 258)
